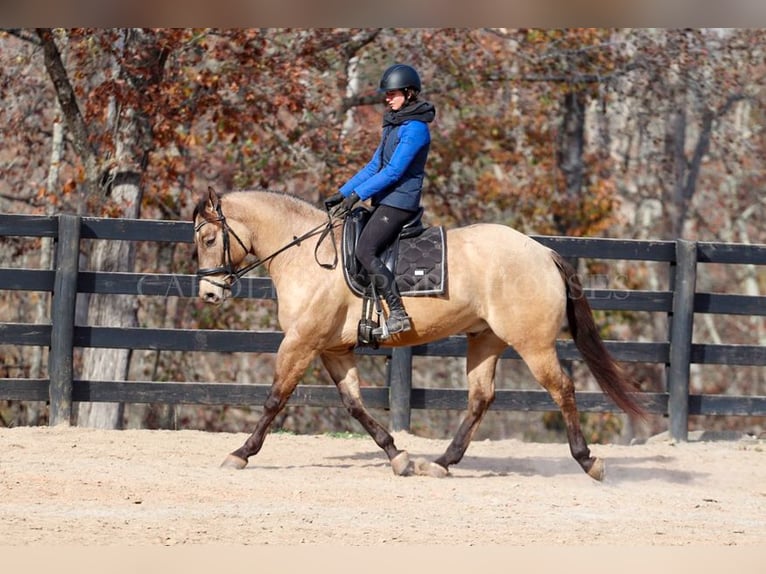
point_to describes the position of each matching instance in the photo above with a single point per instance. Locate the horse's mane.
(302, 205)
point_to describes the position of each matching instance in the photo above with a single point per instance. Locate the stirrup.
(392, 326)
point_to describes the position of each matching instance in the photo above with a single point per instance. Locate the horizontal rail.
(12, 225)
(215, 340)
(236, 394)
(601, 248)
(180, 285)
(731, 253)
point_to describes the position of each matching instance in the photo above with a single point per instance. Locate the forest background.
(624, 133)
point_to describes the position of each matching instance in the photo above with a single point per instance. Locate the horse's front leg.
(343, 370)
(293, 357)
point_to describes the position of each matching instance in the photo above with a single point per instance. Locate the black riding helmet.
(399, 77)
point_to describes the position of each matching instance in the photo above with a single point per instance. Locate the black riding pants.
(380, 231)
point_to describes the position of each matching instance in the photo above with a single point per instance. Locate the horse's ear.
(212, 199)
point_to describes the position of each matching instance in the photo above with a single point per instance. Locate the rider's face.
(395, 99)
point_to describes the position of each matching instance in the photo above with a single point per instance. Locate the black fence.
(679, 302)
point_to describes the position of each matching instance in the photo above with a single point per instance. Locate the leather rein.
(232, 275)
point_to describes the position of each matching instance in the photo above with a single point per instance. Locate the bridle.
(232, 275)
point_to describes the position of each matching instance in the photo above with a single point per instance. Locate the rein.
(233, 275)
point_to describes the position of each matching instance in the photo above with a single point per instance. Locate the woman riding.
(393, 181)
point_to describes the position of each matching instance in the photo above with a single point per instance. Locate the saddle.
(417, 258)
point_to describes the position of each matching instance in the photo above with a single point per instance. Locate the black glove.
(345, 205)
(349, 202)
(333, 200)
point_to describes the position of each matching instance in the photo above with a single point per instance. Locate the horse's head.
(220, 248)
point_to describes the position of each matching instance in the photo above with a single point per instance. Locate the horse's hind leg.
(481, 359)
(343, 370)
(547, 370)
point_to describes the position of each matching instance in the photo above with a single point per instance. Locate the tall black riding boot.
(398, 321)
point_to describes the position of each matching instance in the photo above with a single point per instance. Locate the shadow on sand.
(618, 469)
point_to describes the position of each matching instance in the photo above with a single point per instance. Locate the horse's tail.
(611, 378)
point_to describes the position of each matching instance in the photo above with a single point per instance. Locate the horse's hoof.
(427, 468)
(597, 470)
(234, 462)
(401, 464)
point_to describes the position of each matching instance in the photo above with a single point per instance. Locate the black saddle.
(417, 258)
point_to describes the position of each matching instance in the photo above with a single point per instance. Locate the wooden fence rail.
(679, 302)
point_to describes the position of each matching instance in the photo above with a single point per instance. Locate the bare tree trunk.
(111, 310)
(42, 306)
(571, 148)
(108, 310)
(72, 115)
(123, 185)
(114, 310)
(750, 279)
(686, 171)
(352, 89)
(117, 181)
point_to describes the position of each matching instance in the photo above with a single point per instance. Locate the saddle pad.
(419, 264)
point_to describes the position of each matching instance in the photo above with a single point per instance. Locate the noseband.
(232, 275)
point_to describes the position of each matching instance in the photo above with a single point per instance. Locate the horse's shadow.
(618, 469)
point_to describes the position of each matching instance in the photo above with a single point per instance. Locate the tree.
(112, 181)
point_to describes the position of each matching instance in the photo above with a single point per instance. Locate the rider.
(393, 180)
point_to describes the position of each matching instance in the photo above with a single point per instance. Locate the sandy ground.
(138, 487)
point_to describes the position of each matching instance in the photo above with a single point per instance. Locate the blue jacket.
(394, 176)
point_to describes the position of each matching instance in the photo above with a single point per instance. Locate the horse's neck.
(275, 221)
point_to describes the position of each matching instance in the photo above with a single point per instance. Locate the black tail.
(611, 378)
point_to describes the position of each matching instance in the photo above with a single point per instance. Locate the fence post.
(400, 388)
(681, 338)
(62, 319)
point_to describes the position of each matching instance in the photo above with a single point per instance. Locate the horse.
(504, 290)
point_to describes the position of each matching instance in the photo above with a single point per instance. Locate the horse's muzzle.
(212, 298)
(212, 290)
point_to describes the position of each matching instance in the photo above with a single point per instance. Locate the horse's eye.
(209, 241)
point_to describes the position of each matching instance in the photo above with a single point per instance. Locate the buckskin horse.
(504, 289)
